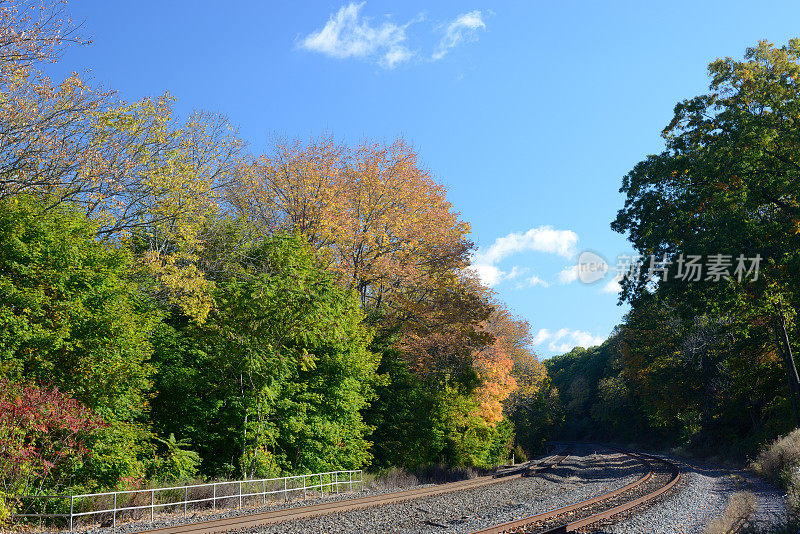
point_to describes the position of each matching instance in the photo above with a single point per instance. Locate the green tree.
(421, 420)
(276, 377)
(176, 461)
(728, 183)
(72, 319)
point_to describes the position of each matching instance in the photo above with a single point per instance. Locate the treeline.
(175, 307)
(705, 359)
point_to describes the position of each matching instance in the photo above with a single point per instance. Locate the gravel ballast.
(701, 496)
(583, 475)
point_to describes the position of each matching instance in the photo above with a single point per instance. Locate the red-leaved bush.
(41, 429)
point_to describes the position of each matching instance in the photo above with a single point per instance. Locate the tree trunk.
(242, 465)
(785, 348)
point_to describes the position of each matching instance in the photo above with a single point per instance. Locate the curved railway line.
(659, 477)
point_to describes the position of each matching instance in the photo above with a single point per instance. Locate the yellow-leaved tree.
(381, 221)
(166, 191)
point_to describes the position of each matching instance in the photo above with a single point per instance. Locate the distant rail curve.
(660, 476)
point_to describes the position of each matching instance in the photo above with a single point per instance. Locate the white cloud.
(516, 271)
(395, 56)
(569, 274)
(541, 336)
(492, 275)
(463, 28)
(488, 274)
(533, 281)
(347, 34)
(612, 286)
(542, 239)
(564, 340)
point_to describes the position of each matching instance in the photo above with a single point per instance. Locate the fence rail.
(291, 485)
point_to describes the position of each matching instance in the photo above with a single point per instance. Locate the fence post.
(321, 489)
(304, 488)
(214, 500)
(185, 498)
(152, 503)
(264, 490)
(351, 481)
(115, 509)
(71, 507)
(240, 495)
(336, 474)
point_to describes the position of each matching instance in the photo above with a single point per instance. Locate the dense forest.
(705, 361)
(176, 307)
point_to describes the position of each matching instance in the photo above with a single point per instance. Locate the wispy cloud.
(516, 272)
(348, 34)
(463, 28)
(541, 239)
(395, 56)
(533, 281)
(564, 340)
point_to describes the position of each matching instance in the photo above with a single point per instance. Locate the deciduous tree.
(373, 211)
(728, 184)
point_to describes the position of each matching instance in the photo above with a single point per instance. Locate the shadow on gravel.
(591, 467)
(771, 515)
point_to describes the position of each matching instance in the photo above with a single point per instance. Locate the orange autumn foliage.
(386, 228)
(501, 363)
(382, 222)
(477, 331)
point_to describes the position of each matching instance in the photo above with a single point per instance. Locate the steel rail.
(572, 526)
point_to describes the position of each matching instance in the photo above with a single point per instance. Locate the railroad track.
(303, 512)
(660, 476)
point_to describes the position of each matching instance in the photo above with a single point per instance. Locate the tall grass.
(739, 508)
(779, 462)
(397, 478)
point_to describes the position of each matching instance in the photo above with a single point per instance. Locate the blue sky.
(529, 112)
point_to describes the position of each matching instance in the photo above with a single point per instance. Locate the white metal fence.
(235, 494)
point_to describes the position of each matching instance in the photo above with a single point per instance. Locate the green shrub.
(519, 454)
(175, 462)
(5, 509)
